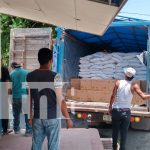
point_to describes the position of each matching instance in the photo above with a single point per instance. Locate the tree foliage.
(9, 22)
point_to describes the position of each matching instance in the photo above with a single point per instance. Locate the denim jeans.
(49, 128)
(17, 109)
(120, 122)
(5, 125)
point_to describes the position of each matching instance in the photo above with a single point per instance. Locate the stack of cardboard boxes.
(97, 90)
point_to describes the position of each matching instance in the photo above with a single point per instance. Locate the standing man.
(120, 106)
(18, 77)
(50, 125)
(4, 97)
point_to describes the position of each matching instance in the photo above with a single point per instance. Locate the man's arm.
(137, 89)
(8, 84)
(30, 115)
(61, 101)
(29, 99)
(113, 96)
(62, 104)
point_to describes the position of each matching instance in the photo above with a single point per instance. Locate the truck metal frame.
(95, 112)
(100, 110)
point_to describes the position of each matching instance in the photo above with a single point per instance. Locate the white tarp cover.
(82, 15)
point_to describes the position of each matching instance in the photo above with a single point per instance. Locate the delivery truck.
(68, 48)
(121, 37)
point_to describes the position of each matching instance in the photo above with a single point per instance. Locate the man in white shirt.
(120, 106)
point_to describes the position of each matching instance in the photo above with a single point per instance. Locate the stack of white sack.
(110, 65)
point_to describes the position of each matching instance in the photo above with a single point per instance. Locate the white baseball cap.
(129, 72)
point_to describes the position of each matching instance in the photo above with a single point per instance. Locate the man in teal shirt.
(18, 77)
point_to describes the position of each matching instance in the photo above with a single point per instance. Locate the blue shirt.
(18, 78)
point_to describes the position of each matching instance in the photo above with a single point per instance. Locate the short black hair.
(130, 78)
(45, 55)
(15, 65)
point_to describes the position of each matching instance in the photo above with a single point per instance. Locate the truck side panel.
(25, 44)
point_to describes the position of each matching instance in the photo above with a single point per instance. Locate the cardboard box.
(98, 91)
(103, 85)
(137, 100)
(99, 96)
(75, 94)
(79, 95)
(137, 82)
(143, 85)
(86, 84)
(71, 93)
(89, 95)
(75, 83)
(68, 93)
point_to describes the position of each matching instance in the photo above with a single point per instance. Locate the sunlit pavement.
(71, 139)
(137, 140)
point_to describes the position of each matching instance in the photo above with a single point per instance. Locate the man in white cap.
(120, 105)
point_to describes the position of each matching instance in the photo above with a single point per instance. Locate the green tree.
(9, 22)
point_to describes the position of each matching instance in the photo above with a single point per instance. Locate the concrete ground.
(137, 140)
(71, 139)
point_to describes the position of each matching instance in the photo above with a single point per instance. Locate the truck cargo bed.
(103, 107)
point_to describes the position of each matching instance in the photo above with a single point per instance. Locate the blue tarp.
(121, 36)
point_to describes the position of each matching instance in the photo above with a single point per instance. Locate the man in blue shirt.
(18, 77)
